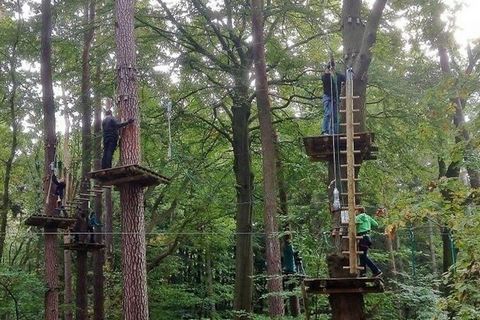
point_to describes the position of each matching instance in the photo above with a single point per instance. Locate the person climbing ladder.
(110, 127)
(364, 224)
(60, 186)
(332, 86)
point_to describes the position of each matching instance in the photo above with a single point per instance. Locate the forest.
(220, 202)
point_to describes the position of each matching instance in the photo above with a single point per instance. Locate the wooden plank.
(83, 246)
(50, 221)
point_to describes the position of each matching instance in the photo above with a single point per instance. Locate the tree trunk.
(99, 255)
(431, 243)
(274, 268)
(391, 253)
(294, 301)
(51, 259)
(108, 215)
(358, 40)
(67, 254)
(5, 206)
(81, 289)
(135, 299)
(244, 181)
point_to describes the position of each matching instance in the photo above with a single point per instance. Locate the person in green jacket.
(364, 224)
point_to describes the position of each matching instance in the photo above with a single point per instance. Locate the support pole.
(352, 229)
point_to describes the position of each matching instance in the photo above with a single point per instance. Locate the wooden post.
(352, 229)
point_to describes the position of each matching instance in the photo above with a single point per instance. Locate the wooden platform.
(321, 148)
(83, 246)
(343, 285)
(134, 174)
(44, 221)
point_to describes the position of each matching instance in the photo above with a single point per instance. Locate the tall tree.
(67, 254)
(81, 289)
(51, 259)
(135, 299)
(274, 268)
(238, 55)
(358, 40)
(99, 255)
(14, 124)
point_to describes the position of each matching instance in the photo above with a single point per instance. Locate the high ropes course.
(346, 151)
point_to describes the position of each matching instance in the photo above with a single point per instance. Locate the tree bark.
(244, 181)
(274, 268)
(51, 259)
(135, 299)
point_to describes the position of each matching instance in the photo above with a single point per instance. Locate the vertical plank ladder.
(352, 229)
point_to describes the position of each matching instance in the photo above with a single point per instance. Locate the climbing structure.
(346, 151)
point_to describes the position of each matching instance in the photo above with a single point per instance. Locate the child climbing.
(332, 86)
(59, 192)
(110, 127)
(364, 224)
(93, 224)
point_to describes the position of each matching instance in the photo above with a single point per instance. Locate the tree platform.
(321, 148)
(343, 285)
(83, 246)
(41, 220)
(133, 174)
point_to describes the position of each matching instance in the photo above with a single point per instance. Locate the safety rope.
(168, 105)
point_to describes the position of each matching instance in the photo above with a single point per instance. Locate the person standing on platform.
(364, 224)
(110, 127)
(332, 87)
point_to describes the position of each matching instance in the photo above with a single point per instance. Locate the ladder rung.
(354, 151)
(356, 193)
(355, 165)
(356, 237)
(355, 124)
(358, 267)
(354, 137)
(348, 252)
(346, 208)
(354, 110)
(345, 179)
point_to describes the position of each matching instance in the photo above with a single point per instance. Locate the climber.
(59, 192)
(289, 266)
(364, 225)
(93, 224)
(110, 127)
(332, 86)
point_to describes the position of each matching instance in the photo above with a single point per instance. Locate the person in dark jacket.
(93, 225)
(110, 127)
(60, 186)
(332, 87)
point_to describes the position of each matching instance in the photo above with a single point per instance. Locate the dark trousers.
(109, 146)
(364, 244)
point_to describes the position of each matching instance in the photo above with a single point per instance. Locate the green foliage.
(22, 294)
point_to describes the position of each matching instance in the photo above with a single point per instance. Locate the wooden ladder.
(351, 178)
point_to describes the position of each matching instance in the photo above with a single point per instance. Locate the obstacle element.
(321, 148)
(343, 285)
(83, 246)
(45, 221)
(132, 174)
